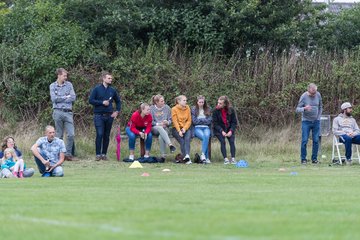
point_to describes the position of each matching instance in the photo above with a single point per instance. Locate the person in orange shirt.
(181, 117)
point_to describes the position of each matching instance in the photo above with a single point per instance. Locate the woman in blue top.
(9, 142)
(201, 120)
(11, 162)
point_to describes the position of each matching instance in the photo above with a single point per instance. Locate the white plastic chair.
(339, 158)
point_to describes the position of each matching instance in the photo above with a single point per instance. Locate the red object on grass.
(118, 141)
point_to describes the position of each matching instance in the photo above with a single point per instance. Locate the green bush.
(31, 55)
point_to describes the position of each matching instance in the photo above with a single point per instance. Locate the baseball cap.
(345, 105)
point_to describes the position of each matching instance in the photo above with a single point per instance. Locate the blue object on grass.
(242, 164)
(46, 174)
(293, 173)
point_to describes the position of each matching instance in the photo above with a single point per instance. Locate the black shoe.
(161, 160)
(315, 161)
(304, 161)
(172, 148)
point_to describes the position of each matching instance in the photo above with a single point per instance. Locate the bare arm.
(35, 151)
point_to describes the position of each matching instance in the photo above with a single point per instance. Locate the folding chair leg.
(333, 151)
(357, 151)
(339, 155)
(336, 145)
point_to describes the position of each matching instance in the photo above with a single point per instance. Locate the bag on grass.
(197, 159)
(179, 158)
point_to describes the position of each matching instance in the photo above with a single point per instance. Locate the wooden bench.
(142, 147)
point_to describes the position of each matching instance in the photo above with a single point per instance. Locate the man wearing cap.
(346, 128)
(63, 96)
(310, 106)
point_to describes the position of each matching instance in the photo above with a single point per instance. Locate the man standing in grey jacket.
(310, 106)
(346, 128)
(63, 96)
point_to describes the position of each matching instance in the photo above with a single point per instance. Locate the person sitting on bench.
(201, 120)
(161, 114)
(140, 125)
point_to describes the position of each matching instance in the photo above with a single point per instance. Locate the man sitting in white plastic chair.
(346, 128)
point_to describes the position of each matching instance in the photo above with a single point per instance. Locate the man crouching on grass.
(49, 153)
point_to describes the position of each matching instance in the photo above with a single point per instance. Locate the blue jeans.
(306, 127)
(348, 141)
(103, 124)
(132, 138)
(56, 172)
(203, 133)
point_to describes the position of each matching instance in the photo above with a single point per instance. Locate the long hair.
(13, 154)
(4, 144)
(206, 107)
(156, 98)
(227, 104)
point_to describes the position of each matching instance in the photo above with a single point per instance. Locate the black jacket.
(219, 125)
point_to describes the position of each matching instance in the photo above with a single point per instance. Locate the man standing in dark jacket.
(225, 123)
(102, 97)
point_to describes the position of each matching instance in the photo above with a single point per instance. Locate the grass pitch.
(107, 200)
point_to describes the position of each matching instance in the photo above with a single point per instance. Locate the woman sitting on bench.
(225, 123)
(161, 115)
(140, 125)
(181, 117)
(201, 120)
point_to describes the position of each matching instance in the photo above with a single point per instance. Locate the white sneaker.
(187, 159)
(233, 161)
(207, 161)
(131, 157)
(226, 161)
(202, 157)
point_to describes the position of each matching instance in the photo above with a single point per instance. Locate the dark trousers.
(183, 141)
(223, 144)
(103, 124)
(39, 164)
(348, 141)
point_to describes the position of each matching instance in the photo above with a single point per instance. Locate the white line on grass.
(116, 229)
(105, 227)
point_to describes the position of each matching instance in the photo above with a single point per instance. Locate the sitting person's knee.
(58, 172)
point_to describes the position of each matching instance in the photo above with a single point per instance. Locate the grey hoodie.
(343, 124)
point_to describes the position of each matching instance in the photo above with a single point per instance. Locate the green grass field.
(107, 200)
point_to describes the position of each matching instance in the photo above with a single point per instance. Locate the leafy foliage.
(260, 53)
(32, 52)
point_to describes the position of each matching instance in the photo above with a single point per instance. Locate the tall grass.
(260, 146)
(263, 86)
